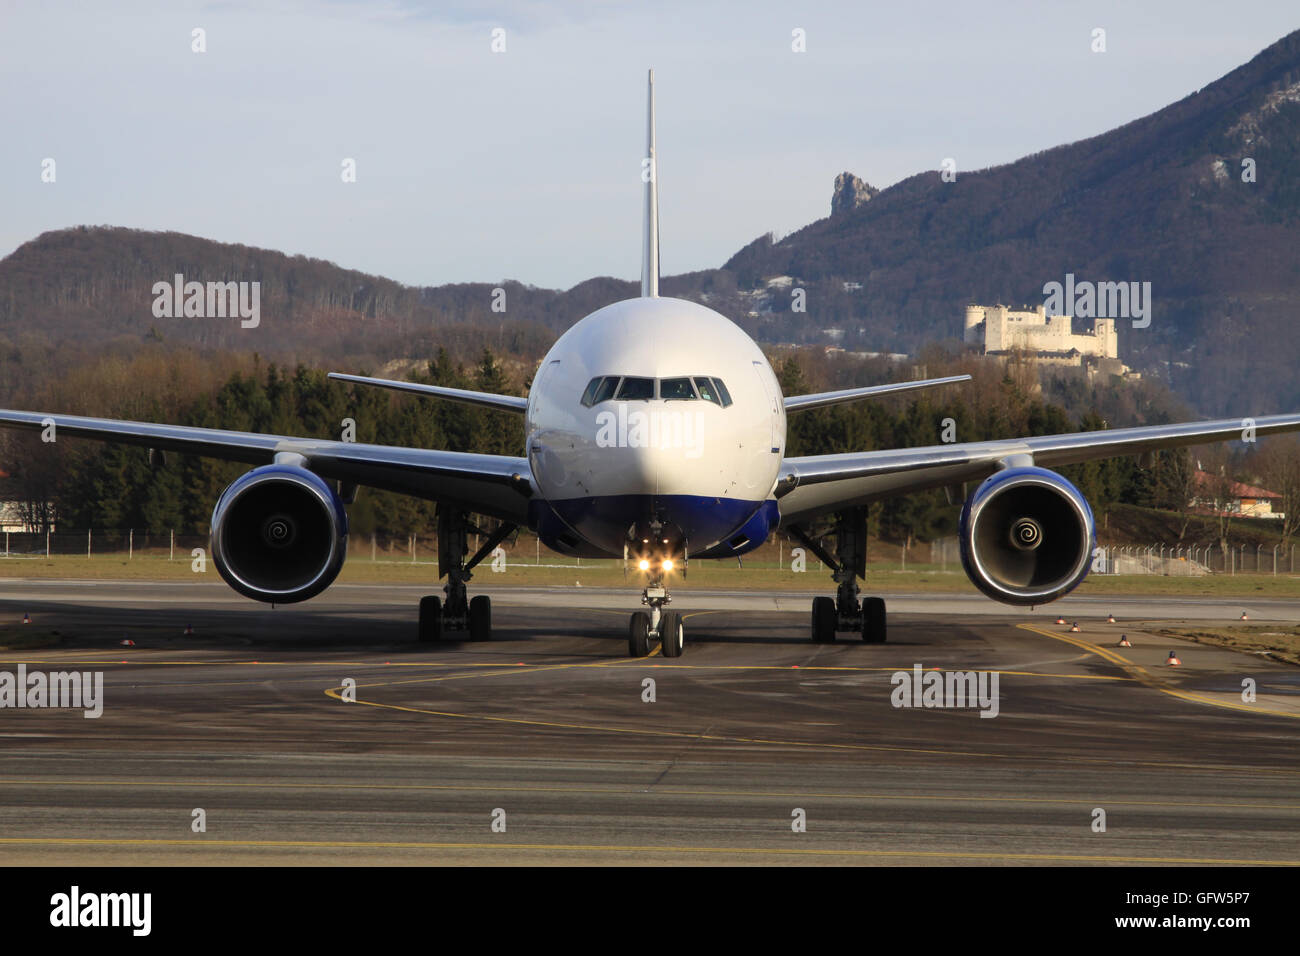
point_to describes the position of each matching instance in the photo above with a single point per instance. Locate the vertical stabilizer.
(650, 175)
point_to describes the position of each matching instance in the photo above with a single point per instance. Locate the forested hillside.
(79, 484)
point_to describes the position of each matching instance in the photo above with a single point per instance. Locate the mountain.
(1164, 199)
(86, 295)
(100, 281)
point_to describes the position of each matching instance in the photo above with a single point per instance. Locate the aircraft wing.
(504, 403)
(495, 485)
(819, 484)
(796, 403)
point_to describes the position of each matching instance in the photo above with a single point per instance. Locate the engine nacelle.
(1027, 536)
(279, 534)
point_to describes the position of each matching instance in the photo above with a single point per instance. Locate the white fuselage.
(688, 441)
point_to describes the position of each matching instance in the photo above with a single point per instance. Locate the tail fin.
(649, 174)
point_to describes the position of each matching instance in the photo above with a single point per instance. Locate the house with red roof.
(1215, 497)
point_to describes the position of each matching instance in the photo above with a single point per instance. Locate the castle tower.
(1107, 338)
(974, 319)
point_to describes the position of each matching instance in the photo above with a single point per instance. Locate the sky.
(475, 165)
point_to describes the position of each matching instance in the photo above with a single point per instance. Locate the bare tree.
(1277, 460)
(1217, 488)
(34, 468)
(1177, 487)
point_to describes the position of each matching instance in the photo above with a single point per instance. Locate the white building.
(12, 517)
(998, 330)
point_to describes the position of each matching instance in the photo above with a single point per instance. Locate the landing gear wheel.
(823, 620)
(638, 635)
(480, 618)
(430, 619)
(672, 633)
(873, 620)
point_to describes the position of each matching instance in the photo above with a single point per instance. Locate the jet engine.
(1027, 536)
(279, 534)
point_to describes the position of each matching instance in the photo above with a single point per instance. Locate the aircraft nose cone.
(643, 468)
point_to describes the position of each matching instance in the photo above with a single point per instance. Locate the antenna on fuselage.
(649, 175)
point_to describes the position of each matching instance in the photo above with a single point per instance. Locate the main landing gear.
(459, 612)
(660, 624)
(845, 612)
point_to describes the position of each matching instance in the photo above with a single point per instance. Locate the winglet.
(649, 175)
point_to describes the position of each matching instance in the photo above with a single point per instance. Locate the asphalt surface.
(546, 729)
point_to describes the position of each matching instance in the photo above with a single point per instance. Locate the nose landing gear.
(661, 624)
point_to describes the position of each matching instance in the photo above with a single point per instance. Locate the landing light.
(668, 564)
(644, 565)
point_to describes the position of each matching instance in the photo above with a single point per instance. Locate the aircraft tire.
(823, 620)
(873, 620)
(638, 635)
(430, 619)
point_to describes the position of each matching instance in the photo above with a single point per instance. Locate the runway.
(542, 747)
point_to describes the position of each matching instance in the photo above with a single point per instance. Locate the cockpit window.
(607, 387)
(634, 389)
(722, 392)
(676, 388)
(602, 388)
(707, 392)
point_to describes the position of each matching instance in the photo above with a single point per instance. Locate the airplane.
(655, 428)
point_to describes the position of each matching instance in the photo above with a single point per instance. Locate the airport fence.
(129, 543)
(146, 544)
(525, 549)
(1194, 559)
(1174, 560)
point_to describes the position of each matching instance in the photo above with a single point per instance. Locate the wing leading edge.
(819, 484)
(796, 403)
(495, 485)
(504, 403)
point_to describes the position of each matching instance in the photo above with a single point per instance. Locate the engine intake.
(279, 534)
(1027, 536)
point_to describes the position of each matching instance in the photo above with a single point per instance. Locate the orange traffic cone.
(1173, 660)
(1060, 620)
(1110, 618)
(1074, 628)
(27, 619)
(1123, 641)
(189, 629)
(1244, 617)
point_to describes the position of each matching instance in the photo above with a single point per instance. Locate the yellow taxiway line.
(615, 848)
(1147, 679)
